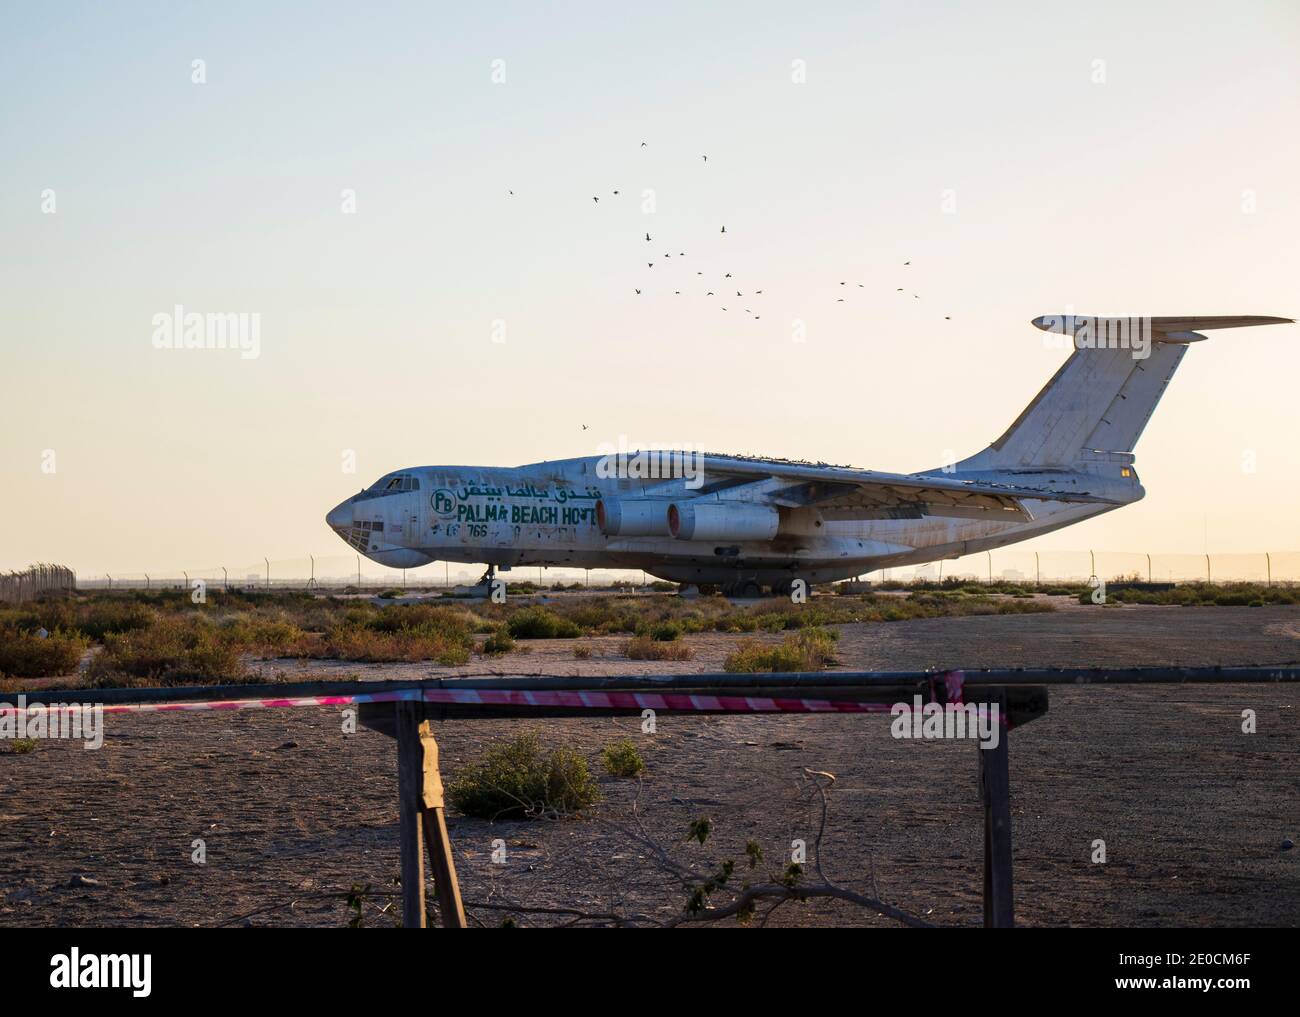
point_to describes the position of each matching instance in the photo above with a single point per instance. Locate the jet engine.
(720, 520)
(632, 517)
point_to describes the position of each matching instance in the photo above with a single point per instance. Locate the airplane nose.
(340, 516)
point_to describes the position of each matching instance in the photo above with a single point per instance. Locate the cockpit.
(381, 527)
(394, 483)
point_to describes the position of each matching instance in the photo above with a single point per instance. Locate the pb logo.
(443, 501)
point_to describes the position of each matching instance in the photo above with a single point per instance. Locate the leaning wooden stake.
(422, 822)
(995, 789)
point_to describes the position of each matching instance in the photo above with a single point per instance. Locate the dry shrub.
(27, 655)
(172, 651)
(516, 781)
(805, 650)
(646, 648)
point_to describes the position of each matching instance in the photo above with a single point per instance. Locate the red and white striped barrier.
(590, 699)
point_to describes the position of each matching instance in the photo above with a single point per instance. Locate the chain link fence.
(342, 572)
(35, 580)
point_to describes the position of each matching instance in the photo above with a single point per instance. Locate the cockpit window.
(395, 483)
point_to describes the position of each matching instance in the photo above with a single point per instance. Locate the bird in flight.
(647, 238)
(643, 144)
(724, 229)
(638, 291)
(595, 199)
(584, 427)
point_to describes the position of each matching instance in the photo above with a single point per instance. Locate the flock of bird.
(739, 293)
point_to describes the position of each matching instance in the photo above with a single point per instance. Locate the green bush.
(516, 781)
(537, 622)
(621, 759)
(666, 631)
(498, 642)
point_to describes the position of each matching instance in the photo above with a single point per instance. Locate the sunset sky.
(1025, 158)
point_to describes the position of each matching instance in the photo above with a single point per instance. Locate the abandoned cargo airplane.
(742, 523)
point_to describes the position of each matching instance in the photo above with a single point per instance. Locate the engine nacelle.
(632, 517)
(720, 520)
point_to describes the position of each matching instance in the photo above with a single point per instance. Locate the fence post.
(995, 789)
(422, 822)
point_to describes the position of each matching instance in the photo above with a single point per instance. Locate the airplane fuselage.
(546, 514)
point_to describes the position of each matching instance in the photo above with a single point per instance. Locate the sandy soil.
(292, 811)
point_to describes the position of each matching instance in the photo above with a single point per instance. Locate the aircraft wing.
(845, 493)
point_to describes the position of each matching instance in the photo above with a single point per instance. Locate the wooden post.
(995, 789)
(423, 823)
(410, 778)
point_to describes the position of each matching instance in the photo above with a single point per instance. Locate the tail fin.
(1103, 395)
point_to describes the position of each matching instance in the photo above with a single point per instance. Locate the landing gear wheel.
(748, 588)
(782, 588)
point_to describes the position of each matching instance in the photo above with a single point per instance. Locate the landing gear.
(746, 588)
(782, 588)
(486, 578)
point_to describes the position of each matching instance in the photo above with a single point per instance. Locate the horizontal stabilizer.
(1162, 329)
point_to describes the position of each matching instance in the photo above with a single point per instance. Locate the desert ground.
(292, 812)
